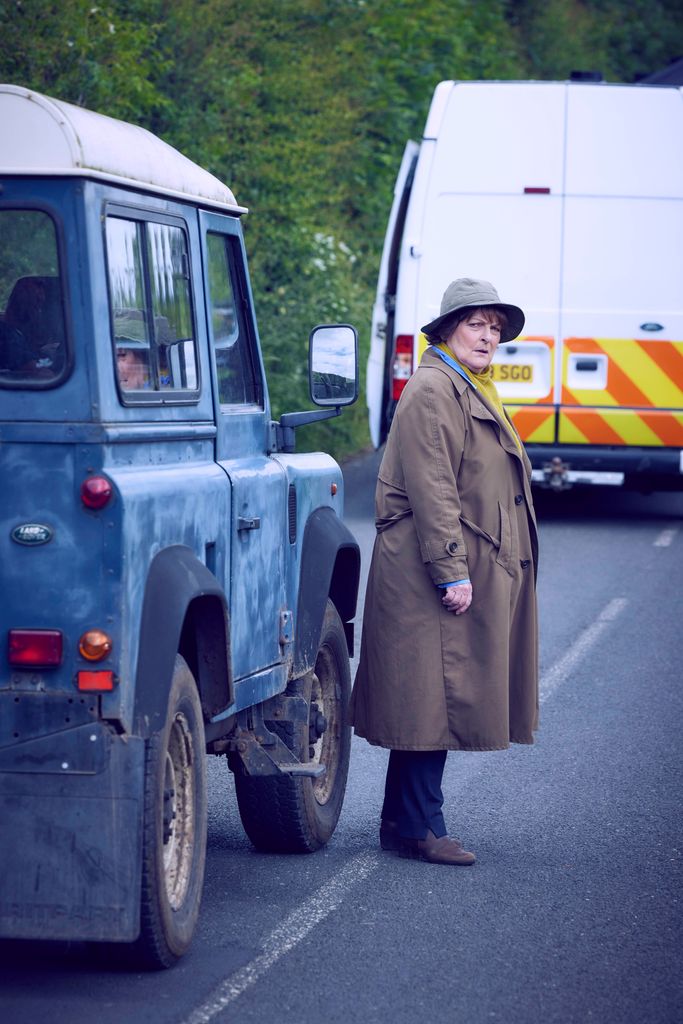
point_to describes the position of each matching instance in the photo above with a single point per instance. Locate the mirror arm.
(285, 438)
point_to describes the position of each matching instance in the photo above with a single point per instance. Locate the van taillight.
(403, 364)
(35, 648)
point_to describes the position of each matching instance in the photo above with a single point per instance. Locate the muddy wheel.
(293, 814)
(174, 839)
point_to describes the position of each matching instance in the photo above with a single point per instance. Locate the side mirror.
(333, 364)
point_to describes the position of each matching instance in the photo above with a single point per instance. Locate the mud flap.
(71, 850)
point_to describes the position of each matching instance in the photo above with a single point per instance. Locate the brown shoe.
(389, 838)
(443, 850)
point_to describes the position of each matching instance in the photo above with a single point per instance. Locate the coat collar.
(450, 361)
(434, 361)
(478, 406)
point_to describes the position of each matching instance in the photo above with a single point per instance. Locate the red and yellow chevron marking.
(639, 373)
(642, 404)
(644, 374)
(534, 425)
(648, 429)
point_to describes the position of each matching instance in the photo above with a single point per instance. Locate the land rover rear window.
(151, 311)
(33, 343)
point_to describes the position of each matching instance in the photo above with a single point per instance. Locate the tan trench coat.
(453, 501)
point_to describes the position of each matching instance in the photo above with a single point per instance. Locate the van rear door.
(494, 211)
(622, 319)
(381, 341)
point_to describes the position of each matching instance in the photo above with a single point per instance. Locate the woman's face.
(474, 341)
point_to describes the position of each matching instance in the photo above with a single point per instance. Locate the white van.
(568, 196)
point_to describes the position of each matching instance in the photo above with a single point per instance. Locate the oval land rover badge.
(31, 534)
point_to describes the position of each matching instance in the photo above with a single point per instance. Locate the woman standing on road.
(448, 655)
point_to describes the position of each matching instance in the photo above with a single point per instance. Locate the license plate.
(517, 373)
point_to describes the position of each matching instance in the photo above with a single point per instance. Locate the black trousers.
(412, 793)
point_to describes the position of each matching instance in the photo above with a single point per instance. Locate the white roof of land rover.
(47, 136)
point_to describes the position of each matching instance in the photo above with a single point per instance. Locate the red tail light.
(402, 368)
(96, 492)
(35, 648)
(95, 681)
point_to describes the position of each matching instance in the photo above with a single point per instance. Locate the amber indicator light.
(35, 648)
(94, 645)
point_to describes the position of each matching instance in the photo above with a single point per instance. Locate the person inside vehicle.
(448, 656)
(32, 340)
(133, 368)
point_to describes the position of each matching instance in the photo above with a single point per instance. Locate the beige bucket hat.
(468, 291)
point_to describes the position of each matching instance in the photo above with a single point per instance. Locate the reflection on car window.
(32, 334)
(151, 311)
(237, 379)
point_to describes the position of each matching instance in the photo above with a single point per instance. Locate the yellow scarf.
(484, 383)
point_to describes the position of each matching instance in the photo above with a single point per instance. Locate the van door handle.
(248, 523)
(586, 364)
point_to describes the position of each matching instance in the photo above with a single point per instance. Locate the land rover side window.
(238, 383)
(149, 289)
(33, 347)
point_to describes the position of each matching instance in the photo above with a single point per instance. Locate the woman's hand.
(457, 598)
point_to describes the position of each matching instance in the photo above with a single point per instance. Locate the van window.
(33, 350)
(151, 311)
(238, 383)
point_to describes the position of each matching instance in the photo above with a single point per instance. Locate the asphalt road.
(572, 912)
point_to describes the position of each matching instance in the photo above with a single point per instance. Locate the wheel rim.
(178, 812)
(326, 694)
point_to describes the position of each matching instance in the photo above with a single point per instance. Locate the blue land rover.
(174, 580)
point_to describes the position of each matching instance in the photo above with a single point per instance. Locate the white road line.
(287, 935)
(557, 674)
(322, 903)
(664, 539)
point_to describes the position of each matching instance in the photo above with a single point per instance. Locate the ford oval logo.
(32, 534)
(652, 327)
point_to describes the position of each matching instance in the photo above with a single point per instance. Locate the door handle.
(586, 364)
(248, 523)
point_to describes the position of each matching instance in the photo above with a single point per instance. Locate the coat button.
(518, 499)
(453, 547)
(525, 563)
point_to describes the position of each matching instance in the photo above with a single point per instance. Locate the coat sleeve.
(431, 436)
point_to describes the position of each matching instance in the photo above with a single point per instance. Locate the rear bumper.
(70, 845)
(654, 465)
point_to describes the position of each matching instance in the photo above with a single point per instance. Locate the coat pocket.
(506, 551)
(504, 542)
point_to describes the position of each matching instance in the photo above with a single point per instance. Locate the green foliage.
(104, 57)
(303, 107)
(623, 40)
